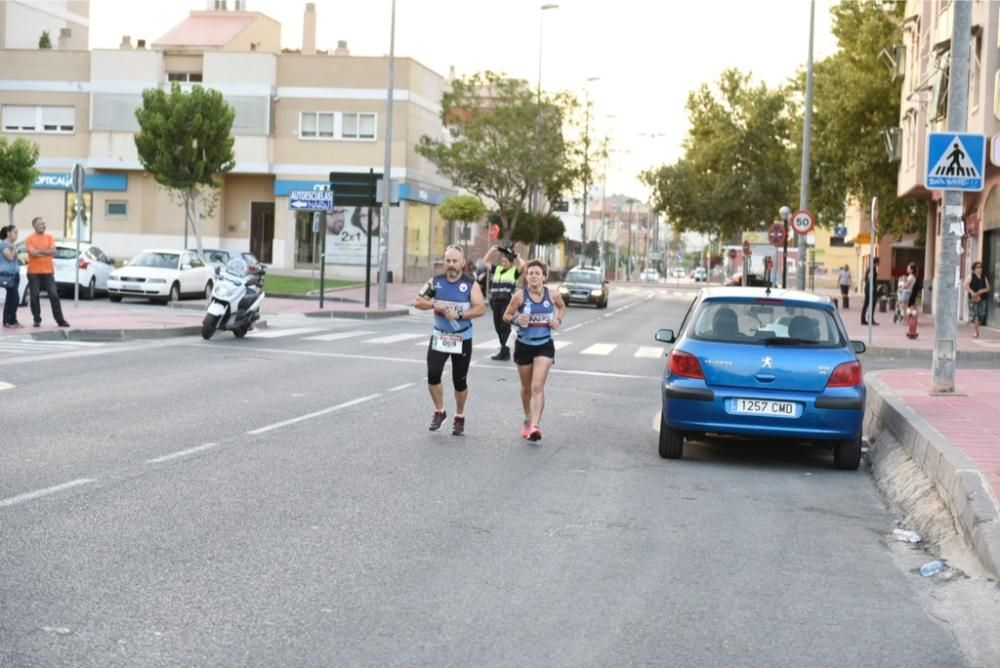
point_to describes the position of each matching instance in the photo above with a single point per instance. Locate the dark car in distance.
(584, 285)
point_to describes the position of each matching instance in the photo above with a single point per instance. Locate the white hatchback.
(163, 276)
(22, 289)
(95, 267)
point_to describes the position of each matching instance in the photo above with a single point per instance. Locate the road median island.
(919, 470)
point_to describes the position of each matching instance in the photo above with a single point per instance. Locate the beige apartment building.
(298, 116)
(926, 41)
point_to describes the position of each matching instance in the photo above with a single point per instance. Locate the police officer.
(504, 268)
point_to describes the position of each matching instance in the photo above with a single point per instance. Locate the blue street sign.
(310, 200)
(955, 161)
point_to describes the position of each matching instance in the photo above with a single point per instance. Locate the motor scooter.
(235, 303)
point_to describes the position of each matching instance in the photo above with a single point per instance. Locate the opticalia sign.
(52, 181)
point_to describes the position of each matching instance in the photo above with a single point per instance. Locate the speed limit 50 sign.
(803, 222)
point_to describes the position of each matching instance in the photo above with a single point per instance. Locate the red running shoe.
(535, 433)
(437, 420)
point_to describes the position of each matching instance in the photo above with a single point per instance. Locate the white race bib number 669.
(447, 343)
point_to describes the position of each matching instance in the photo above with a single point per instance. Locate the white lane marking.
(21, 498)
(5, 386)
(396, 338)
(649, 351)
(278, 333)
(570, 329)
(603, 374)
(401, 387)
(65, 344)
(484, 344)
(599, 349)
(559, 345)
(309, 416)
(181, 453)
(657, 421)
(346, 356)
(339, 335)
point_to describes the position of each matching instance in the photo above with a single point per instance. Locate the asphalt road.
(279, 501)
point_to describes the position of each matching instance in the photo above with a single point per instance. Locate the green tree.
(462, 208)
(506, 141)
(736, 171)
(45, 42)
(17, 172)
(539, 229)
(184, 141)
(855, 101)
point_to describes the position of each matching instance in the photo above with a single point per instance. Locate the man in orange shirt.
(41, 248)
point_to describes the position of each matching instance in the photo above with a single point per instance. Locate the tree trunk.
(192, 197)
(10, 213)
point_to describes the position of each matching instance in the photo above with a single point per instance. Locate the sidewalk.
(952, 438)
(101, 320)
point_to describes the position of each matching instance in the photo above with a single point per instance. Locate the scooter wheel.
(208, 326)
(241, 331)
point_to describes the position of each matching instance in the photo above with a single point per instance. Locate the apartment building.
(298, 116)
(926, 41)
(66, 22)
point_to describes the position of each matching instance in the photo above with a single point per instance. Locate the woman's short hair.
(977, 264)
(537, 263)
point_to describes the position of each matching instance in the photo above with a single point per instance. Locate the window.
(69, 224)
(184, 77)
(59, 120)
(115, 209)
(358, 126)
(337, 125)
(316, 124)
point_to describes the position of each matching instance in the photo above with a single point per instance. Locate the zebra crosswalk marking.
(649, 351)
(559, 345)
(599, 349)
(336, 336)
(396, 338)
(280, 333)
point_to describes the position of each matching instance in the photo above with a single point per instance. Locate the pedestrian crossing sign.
(955, 161)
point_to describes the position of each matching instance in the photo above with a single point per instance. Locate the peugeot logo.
(766, 363)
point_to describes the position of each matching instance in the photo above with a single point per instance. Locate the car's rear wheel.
(91, 291)
(847, 454)
(208, 290)
(671, 442)
(115, 298)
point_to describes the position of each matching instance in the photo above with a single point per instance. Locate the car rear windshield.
(583, 277)
(767, 323)
(63, 253)
(158, 260)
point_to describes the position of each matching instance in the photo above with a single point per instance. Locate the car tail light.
(847, 374)
(84, 264)
(684, 364)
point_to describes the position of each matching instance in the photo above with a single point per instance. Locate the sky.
(647, 54)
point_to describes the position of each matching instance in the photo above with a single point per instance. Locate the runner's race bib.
(447, 343)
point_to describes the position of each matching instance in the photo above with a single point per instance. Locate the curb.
(359, 315)
(103, 335)
(926, 355)
(959, 482)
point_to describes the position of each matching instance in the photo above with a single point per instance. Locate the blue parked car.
(763, 364)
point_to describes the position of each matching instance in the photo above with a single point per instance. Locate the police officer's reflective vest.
(504, 282)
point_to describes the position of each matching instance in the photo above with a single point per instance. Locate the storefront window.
(418, 235)
(69, 228)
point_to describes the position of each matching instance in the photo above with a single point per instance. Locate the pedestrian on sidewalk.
(870, 299)
(10, 274)
(504, 267)
(977, 286)
(455, 298)
(41, 249)
(905, 289)
(537, 313)
(844, 281)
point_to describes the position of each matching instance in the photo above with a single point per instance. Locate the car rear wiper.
(788, 341)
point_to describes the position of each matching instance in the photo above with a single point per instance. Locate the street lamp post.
(586, 166)
(784, 212)
(628, 258)
(383, 245)
(533, 202)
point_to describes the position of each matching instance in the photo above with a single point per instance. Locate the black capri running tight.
(459, 366)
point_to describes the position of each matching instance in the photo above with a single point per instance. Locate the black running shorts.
(525, 354)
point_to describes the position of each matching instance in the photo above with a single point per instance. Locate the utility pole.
(946, 280)
(800, 276)
(383, 242)
(628, 258)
